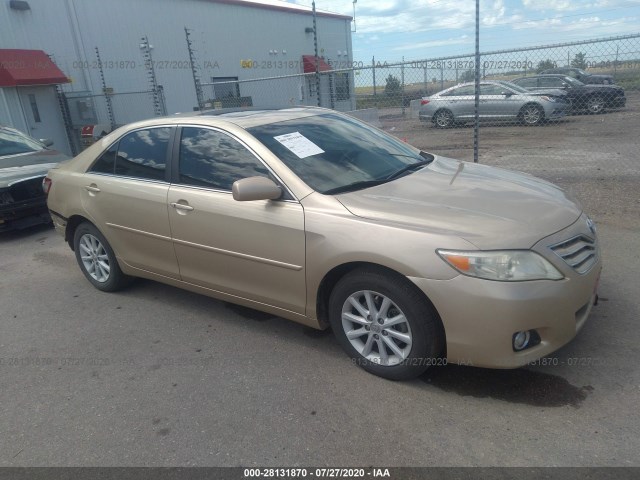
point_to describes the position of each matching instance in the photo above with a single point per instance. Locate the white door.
(42, 113)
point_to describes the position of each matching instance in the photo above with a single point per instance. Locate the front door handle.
(181, 206)
(93, 188)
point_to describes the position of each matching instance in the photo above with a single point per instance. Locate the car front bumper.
(480, 317)
(20, 215)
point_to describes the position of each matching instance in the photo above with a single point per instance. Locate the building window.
(341, 81)
(225, 90)
(34, 108)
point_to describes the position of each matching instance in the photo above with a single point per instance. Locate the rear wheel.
(532, 114)
(97, 260)
(384, 324)
(595, 104)
(443, 119)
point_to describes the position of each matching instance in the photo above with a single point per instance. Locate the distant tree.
(545, 65)
(468, 75)
(393, 86)
(579, 60)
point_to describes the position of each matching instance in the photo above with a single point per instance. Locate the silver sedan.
(498, 101)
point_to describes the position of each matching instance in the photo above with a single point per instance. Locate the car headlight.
(504, 266)
(548, 99)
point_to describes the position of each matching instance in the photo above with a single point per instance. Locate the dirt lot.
(595, 157)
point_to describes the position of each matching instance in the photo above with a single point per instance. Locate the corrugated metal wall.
(223, 35)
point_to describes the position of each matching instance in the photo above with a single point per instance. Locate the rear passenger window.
(143, 154)
(527, 82)
(140, 154)
(106, 163)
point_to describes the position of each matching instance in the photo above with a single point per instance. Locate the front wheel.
(595, 104)
(532, 115)
(97, 260)
(384, 324)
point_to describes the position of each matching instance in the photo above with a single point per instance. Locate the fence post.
(107, 96)
(194, 70)
(315, 48)
(402, 78)
(68, 124)
(476, 123)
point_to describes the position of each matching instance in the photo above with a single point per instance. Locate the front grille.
(27, 190)
(580, 252)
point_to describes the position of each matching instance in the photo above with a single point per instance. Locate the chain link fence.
(565, 112)
(89, 117)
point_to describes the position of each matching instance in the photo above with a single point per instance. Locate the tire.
(397, 351)
(96, 259)
(532, 114)
(595, 104)
(443, 119)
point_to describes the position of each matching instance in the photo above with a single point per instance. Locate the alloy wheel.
(94, 258)
(376, 328)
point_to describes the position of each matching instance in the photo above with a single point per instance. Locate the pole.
(373, 68)
(402, 78)
(194, 70)
(315, 48)
(105, 92)
(476, 122)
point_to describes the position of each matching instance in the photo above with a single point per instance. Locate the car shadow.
(521, 385)
(16, 235)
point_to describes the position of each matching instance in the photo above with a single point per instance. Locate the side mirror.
(47, 142)
(255, 188)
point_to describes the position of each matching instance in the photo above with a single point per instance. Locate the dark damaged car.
(24, 163)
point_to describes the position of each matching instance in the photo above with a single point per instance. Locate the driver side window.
(209, 158)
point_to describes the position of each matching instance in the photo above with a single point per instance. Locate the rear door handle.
(93, 188)
(181, 206)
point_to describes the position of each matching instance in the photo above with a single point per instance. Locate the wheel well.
(537, 105)
(72, 224)
(334, 275)
(441, 109)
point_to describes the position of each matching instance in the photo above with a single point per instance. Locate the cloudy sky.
(415, 29)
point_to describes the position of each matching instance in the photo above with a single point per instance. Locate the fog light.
(521, 340)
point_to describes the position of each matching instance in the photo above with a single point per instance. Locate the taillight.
(46, 185)
(424, 101)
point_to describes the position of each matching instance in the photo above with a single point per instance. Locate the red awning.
(28, 67)
(309, 64)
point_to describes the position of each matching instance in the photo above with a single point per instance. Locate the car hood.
(489, 207)
(17, 167)
(602, 88)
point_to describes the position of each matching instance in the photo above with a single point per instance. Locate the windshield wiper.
(355, 186)
(408, 168)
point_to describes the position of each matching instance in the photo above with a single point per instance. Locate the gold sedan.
(412, 259)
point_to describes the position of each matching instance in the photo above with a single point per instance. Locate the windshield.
(331, 152)
(573, 81)
(13, 142)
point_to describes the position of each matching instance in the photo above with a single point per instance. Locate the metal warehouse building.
(147, 51)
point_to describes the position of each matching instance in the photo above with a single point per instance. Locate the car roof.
(255, 116)
(550, 75)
